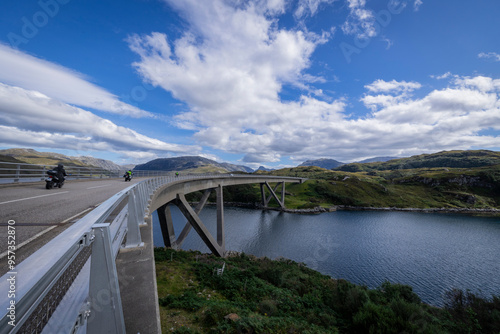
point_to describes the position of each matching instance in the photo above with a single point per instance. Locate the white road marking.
(24, 199)
(106, 185)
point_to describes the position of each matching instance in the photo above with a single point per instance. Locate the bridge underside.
(216, 245)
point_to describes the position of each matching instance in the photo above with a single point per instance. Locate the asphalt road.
(40, 214)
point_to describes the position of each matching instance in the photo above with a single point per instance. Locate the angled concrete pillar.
(283, 193)
(167, 226)
(263, 195)
(221, 239)
(197, 210)
(198, 225)
(265, 199)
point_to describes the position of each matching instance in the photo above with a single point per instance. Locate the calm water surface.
(431, 252)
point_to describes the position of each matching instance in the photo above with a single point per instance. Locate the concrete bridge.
(98, 275)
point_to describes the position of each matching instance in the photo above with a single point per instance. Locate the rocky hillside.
(323, 163)
(460, 188)
(31, 156)
(376, 159)
(445, 159)
(192, 164)
(102, 163)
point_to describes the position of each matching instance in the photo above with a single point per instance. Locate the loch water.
(432, 252)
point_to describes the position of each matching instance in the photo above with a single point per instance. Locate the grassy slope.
(403, 188)
(452, 159)
(286, 297)
(41, 158)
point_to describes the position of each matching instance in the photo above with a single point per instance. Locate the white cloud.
(361, 21)
(440, 77)
(417, 4)
(33, 119)
(482, 83)
(23, 70)
(309, 7)
(490, 55)
(392, 86)
(229, 68)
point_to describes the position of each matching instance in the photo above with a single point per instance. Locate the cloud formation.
(309, 7)
(20, 69)
(417, 4)
(392, 86)
(361, 21)
(489, 55)
(230, 67)
(30, 118)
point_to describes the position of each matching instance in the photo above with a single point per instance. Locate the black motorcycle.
(53, 180)
(128, 177)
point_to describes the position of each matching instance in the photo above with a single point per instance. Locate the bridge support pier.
(265, 199)
(167, 228)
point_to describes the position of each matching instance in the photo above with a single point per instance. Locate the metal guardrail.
(23, 172)
(41, 297)
(70, 285)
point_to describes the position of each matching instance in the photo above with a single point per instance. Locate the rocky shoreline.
(318, 210)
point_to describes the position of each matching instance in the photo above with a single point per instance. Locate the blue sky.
(263, 82)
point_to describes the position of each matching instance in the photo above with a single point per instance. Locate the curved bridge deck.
(98, 276)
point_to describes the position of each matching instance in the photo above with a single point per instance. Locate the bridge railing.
(24, 172)
(70, 285)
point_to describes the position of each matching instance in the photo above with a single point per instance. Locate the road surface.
(40, 214)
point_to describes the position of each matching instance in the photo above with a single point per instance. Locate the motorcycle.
(53, 180)
(128, 177)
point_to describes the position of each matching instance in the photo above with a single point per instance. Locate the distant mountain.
(376, 159)
(6, 158)
(104, 164)
(127, 167)
(193, 164)
(31, 156)
(262, 168)
(323, 163)
(450, 159)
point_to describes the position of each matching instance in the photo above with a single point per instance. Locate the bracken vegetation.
(264, 296)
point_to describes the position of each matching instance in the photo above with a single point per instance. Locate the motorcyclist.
(128, 175)
(61, 173)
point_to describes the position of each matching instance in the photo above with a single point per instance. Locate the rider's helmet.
(60, 166)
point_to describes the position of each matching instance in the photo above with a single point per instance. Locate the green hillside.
(451, 188)
(6, 158)
(31, 156)
(264, 296)
(191, 164)
(451, 159)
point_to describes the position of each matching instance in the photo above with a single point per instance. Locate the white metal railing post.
(133, 230)
(106, 313)
(18, 173)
